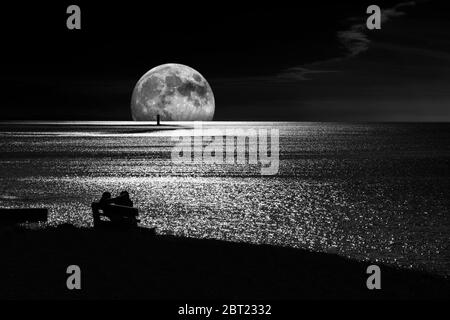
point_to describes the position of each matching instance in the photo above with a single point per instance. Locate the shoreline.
(137, 264)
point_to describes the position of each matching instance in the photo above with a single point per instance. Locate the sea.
(374, 192)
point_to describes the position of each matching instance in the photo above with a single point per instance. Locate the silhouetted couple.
(122, 200)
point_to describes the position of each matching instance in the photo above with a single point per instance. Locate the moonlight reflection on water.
(363, 191)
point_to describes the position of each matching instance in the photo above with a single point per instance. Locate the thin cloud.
(299, 73)
(355, 40)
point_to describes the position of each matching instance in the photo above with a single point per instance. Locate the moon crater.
(175, 92)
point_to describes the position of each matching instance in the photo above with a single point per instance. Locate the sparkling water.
(376, 192)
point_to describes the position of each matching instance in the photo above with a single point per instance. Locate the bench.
(16, 216)
(117, 215)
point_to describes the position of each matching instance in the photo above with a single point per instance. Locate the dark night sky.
(264, 61)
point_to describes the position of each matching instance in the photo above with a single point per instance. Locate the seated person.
(96, 206)
(115, 214)
(123, 199)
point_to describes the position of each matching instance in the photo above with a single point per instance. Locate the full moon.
(175, 92)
